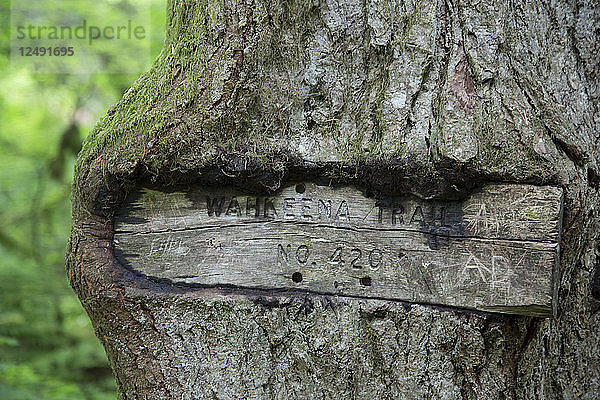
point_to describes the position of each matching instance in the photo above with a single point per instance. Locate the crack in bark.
(532, 327)
(572, 153)
(238, 55)
(445, 40)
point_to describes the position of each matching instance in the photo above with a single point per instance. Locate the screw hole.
(366, 281)
(297, 277)
(300, 188)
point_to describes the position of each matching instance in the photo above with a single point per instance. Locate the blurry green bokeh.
(47, 346)
(103, 35)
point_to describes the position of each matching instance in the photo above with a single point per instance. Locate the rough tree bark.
(428, 98)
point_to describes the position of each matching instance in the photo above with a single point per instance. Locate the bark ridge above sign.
(498, 250)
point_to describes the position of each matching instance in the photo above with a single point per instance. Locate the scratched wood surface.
(496, 251)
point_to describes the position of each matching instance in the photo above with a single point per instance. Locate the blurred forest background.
(47, 346)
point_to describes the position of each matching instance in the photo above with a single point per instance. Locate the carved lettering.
(496, 250)
(336, 257)
(417, 216)
(269, 208)
(252, 204)
(214, 206)
(375, 258)
(325, 209)
(234, 208)
(397, 216)
(343, 211)
(357, 255)
(302, 254)
(288, 208)
(305, 212)
(283, 255)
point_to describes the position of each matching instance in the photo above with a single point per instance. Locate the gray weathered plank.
(496, 251)
(523, 212)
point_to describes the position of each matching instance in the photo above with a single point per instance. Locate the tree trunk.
(432, 99)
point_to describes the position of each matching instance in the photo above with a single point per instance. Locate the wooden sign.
(496, 251)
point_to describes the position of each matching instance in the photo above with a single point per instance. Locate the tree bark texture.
(433, 99)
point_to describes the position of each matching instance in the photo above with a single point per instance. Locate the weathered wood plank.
(524, 212)
(495, 251)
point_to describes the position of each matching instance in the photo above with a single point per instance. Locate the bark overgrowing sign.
(495, 251)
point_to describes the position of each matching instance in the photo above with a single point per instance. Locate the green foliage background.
(47, 346)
